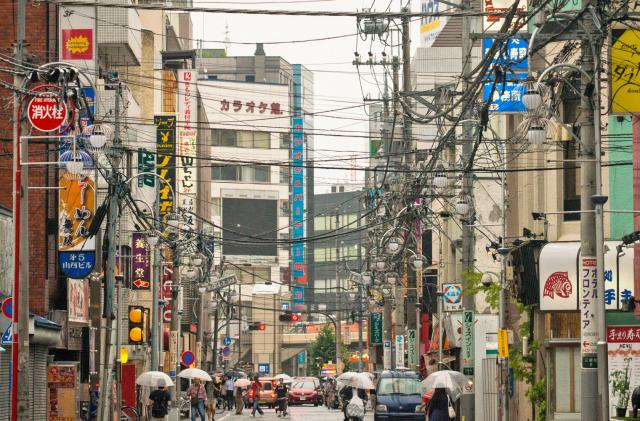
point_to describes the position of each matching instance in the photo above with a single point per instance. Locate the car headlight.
(419, 408)
(381, 408)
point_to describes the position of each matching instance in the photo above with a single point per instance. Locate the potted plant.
(619, 381)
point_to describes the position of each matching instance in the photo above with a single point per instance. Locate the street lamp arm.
(159, 177)
(560, 65)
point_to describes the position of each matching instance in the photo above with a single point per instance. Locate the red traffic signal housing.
(288, 316)
(262, 326)
(295, 317)
(257, 326)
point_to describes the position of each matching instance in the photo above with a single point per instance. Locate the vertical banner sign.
(298, 297)
(412, 361)
(77, 36)
(77, 300)
(467, 343)
(141, 263)
(76, 209)
(167, 281)
(61, 385)
(623, 347)
(375, 328)
(166, 160)
(146, 163)
(503, 343)
(187, 172)
(399, 351)
(297, 214)
(386, 355)
(588, 308)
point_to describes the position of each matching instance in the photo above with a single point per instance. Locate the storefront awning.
(560, 274)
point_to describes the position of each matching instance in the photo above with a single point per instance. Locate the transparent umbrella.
(361, 381)
(242, 383)
(285, 378)
(154, 379)
(195, 373)
(451, 380)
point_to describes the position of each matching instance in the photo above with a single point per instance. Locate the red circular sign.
(47, 113)
(7, 307)
(188, 358)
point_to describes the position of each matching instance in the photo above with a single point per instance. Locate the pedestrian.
(239, 394)
(255, 388)
(347, 394)
(438, 407)
(160, 398)
(228, 387)
(198, 397)
(213, 394)
(282, 394)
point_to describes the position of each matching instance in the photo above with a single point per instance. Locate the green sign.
(412, 361)
(146, 163)
(375, 328)
(468, 343)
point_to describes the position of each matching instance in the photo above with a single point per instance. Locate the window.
(241, 139)
(215, 205)
(250, 78)
(285, 207)
(253, 275)
(212, 77)
(285, 175)
(242, 173)
(570, 154)
(566, 386)
(320, 223)
(398, 386)
(285, 140)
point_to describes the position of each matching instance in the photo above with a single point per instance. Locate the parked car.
(266, 394)
(305, 390)
(398, 397)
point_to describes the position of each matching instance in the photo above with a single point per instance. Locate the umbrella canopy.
(285, 378)
(451, 380)
(361, 381)
(236, 374)
(195, 373)
(344, 377)
(242, 383)
(154, 379)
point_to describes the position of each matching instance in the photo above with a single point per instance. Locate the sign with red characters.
(47, 113)
(141, 264)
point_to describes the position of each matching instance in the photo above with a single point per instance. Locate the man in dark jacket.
(161, 399)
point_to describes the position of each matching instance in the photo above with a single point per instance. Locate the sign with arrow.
(7, 336)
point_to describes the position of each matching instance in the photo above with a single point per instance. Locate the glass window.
(567, 379)
(351, 220)
(319, 223)
(262, 174)
(398, 386)
(285, 175)
(261, 140)
(227, 137)
(215, 204)
(245, 139)
(229, 173)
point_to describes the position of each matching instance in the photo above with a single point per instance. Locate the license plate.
(303, 398)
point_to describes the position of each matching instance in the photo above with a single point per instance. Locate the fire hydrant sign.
(47, 113)
(588, 308)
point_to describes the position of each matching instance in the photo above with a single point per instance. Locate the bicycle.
(129, 413)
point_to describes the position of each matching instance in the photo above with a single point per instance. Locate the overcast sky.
(337, 84)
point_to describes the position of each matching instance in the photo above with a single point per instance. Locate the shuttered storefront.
(37, 382)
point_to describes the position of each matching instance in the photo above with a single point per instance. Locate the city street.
(297, 413)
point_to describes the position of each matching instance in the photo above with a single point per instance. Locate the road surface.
(297, 413)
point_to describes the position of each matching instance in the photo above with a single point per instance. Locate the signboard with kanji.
(375, 328)
(452, 297)
(623, 352)
(503, 343)
(166, 161)
(47, 113)
(588, 308)
(468, 343)
(140, 262)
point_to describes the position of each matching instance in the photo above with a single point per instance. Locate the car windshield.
(266, 386)
(303, 385)
(399, 386)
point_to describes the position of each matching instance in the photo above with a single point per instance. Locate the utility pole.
(228, 327)
(20, 346)
(119, 280)
(589, 267)
(410, 159)
(339, 303)
(360, 290)
(468, 241)
(155, 288)
(115, 190)
(216, 322)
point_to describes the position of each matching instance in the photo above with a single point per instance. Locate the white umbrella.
(344, 377)
(154, 379)
(451, 380)
(285, 378)
(242, 383)
(361, 381)
(195, 373)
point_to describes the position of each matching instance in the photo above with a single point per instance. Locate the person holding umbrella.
(160, 398)
(282, 395)
(198, 396)
(439, 405)
(255, 388)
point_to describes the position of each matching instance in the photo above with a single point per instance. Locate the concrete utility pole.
(20, 346)
(155, 289)
(228, 326)
(589, 268)
(115, 189)
(338, 303)
(410, 159)
(467, 402)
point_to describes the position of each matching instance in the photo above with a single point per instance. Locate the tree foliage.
(323, 349)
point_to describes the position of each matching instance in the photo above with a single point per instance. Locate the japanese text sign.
(588, 309)
(625, 77)
(375, 328)
(468, 343)
(140, 263)
(452, 297)
(47, 113)
(506, 97)
(297, 191)
(166, 160)
(78, 300)
(512, 55)
(77, 44)
(494, 23)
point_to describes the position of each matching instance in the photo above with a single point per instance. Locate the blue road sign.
(301, 357)
(77, 264)
(506, 98)
(513, 56)
(226, 351)
(7, 336)
(188, 358)
(227, 341)
(264, 368)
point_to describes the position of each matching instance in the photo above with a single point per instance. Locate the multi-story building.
(249, 103)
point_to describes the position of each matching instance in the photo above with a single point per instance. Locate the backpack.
(157, 409)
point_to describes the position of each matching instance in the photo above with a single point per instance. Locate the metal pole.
(20, 345)
(118, 345)
(228, 327)
(468, 241)
(155, 289)
(502, 303)
(216, 321)
(440, 326)
(360, 341)
(339, 304)
(589, 269)
(115, 186)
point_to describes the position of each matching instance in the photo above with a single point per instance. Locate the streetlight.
(440, 178)
(463, 205)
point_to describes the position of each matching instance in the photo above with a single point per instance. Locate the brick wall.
(39, 51)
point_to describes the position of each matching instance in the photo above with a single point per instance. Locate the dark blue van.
(398, 397)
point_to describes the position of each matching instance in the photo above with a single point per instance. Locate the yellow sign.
(503, 343)
(625, 78)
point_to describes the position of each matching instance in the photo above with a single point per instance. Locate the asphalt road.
(297, 413)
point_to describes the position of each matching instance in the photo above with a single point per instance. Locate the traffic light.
(257, 326)
(289, 316)
(136, 324)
